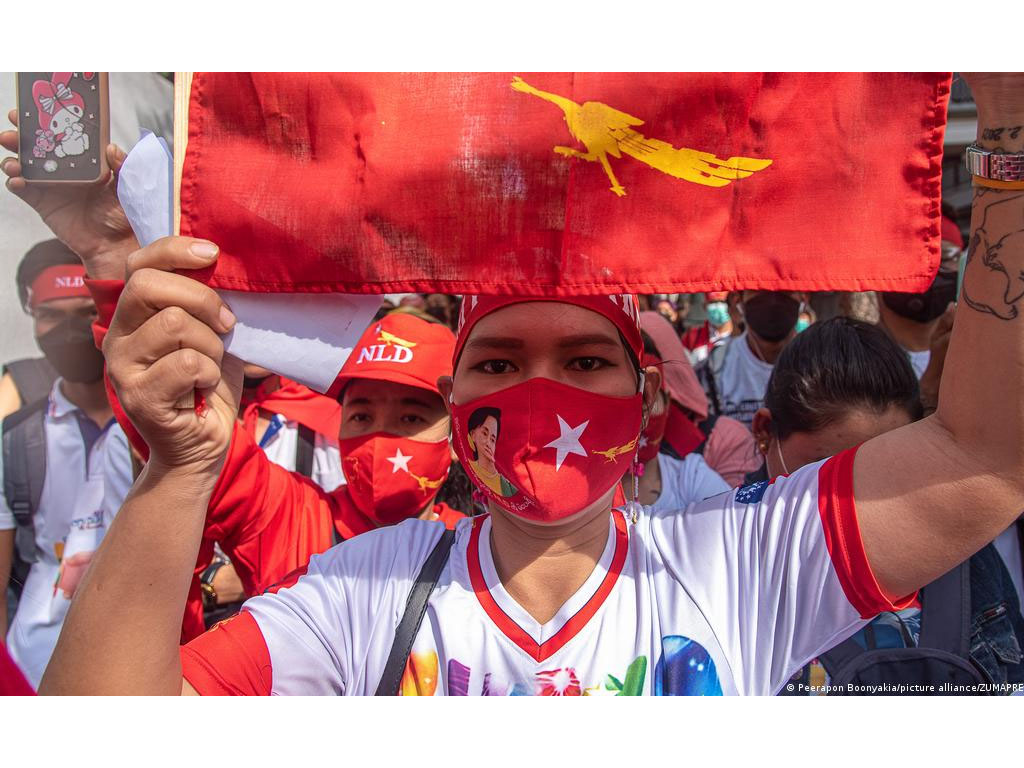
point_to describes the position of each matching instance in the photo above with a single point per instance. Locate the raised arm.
(931, 494)
(162, 344)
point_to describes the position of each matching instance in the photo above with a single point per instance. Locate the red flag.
(563, 183)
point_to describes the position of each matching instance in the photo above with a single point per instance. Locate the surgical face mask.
(718, 313)
(71, 350)
(802, 324)
(557, 449)
(771, 315)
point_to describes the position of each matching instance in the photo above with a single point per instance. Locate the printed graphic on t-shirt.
(685, 668)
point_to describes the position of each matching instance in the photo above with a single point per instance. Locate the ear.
(652, 385)
(445, 385)
(761, 426)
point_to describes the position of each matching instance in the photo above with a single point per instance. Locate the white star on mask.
(399, 461)
(643, 441)
(568, 441)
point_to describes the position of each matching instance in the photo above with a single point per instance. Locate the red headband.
(621, 308)
(63, 281)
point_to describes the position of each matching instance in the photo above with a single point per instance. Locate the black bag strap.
(946, 612)
(304, 451)
(415, 608)
(33, 377)
(24, 456)
(836, 658)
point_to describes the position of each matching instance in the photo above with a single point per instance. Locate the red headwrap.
(63, 281)
(621, 308)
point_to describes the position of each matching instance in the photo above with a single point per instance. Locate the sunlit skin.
(542, 565)
(801, 448)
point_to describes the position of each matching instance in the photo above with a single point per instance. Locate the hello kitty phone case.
(63, 126)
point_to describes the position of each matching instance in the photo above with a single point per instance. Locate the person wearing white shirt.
(86, 470)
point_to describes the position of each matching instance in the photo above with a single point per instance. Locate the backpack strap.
(836, 658)
(709, 373)
(945, 613)
(304, 451)
(415, 608)
(33, 377)
(24, 456)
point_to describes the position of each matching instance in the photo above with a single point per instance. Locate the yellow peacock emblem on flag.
(607, 131)
(612, 454)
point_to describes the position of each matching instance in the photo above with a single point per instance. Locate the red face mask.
(543, 450)
(392, 478)
(650, 440)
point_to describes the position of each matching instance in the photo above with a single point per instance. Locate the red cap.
(402, 348)
(621, 308)
(63, 281)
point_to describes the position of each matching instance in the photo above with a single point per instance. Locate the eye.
(76, 111)
(53, 124)
(587, 364)
(412, 418)
(359, 418)
(495, 367)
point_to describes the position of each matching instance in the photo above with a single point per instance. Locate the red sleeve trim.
(845, 546)
(231, 659)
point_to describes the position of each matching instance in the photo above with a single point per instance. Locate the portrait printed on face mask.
(484, 426)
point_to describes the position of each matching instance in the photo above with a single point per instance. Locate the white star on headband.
(399, 461)
(568, 441)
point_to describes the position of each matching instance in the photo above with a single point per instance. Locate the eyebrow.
(510, 342)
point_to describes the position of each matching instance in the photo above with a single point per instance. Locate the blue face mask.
(718, 313)
(802, 324)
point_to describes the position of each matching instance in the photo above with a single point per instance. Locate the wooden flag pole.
(182, 93)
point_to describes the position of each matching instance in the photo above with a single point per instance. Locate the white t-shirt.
(919, 360)
(730, 596)
(80, 497)
(326, 471)
(742, 380)
(686, 480)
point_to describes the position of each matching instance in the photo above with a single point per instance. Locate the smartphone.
(63, 126)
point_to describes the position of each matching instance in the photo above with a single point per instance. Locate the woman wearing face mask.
(553, 592)
(836, 385)
(484, 427)
(726, 445)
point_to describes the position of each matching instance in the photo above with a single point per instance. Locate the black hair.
(49, 253)
(649, 346)
(833, 367)
(478, 417)
(457, 492)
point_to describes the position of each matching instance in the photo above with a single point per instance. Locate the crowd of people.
(719, 493)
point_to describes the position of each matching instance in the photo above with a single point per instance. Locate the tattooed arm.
(931, 494)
